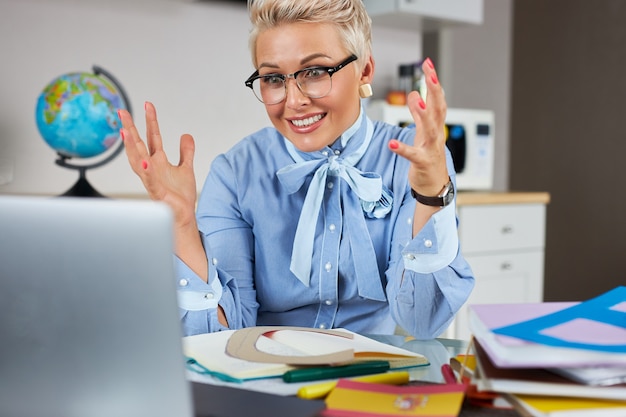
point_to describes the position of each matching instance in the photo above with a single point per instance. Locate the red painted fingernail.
(144, 164)
(422, 104)
(145, 105)
(434, 79)
(393, 144)
(122, 134)
(430, 63)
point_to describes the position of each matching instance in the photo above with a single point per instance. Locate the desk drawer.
(488, 228)
(507, 277)
(502, 278)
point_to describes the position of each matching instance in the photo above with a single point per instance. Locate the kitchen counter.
(469, 198)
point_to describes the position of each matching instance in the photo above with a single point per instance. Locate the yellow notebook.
(353, 398)
(547, 406)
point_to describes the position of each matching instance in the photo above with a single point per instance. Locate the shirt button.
(330, 185)
(183, 282)
(322, 326)
(209, 296)
(325, 153)
(428, 243)
(328, 302)
(332, 227)
(328, 266)
(410, 256)
(337, 152)
(214, 261)
(409, 221)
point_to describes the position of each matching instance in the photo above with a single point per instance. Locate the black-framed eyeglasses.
(313, 82)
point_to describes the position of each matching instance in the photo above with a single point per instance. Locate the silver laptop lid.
(89, 322)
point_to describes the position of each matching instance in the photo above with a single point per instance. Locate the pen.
(464, 372)
(329, 372)
(448, 374)
(321, 390)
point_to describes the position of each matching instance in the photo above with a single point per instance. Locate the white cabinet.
(502, 236)
(425, 15)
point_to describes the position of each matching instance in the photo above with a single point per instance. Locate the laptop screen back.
(89, 322)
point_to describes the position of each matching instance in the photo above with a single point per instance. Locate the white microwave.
(470, 139)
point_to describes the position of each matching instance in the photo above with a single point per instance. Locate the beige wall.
(189, 58)
(476, 66)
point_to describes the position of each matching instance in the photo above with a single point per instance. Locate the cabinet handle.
(507, 230)
(506, 266)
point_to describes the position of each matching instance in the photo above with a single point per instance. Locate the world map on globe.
(76, 114)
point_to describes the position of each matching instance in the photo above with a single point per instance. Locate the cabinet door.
(467, 11)
(425, 15)
(514, 277)
(503, 227)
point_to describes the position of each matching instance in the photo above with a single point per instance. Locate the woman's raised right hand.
(173, 184)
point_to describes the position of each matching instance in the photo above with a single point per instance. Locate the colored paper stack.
(554, 359)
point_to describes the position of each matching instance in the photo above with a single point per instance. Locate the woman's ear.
(367, 73)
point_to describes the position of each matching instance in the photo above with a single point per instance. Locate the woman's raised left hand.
(428, 173)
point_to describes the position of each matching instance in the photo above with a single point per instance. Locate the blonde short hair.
(349, 16)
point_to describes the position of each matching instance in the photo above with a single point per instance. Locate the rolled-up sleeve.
(429, 280)
(435, 246)
(198, 300)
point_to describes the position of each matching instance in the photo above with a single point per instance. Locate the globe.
(76, 115)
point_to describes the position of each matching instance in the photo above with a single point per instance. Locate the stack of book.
(554, 358)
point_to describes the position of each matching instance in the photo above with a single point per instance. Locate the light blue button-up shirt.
(248, 220)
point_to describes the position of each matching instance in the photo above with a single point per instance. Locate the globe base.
(82, 188)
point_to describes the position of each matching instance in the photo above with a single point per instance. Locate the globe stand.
(82, 187)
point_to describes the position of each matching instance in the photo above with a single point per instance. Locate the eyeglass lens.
(312, 82)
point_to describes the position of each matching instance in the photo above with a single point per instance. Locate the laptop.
(89, 324)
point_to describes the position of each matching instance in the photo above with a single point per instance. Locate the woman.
(314, 221)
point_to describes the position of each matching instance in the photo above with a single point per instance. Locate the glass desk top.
(437, 351)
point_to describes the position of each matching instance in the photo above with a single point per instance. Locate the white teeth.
(307, 122)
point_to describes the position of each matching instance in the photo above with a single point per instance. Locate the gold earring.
(365, 90)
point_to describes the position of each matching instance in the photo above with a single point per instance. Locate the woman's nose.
(295, 96)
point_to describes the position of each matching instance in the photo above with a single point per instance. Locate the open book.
(209, 351)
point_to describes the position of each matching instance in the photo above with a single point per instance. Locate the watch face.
(448, 194)
(450, 188)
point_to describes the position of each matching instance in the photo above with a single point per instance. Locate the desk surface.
(220, 401)
(438, 352)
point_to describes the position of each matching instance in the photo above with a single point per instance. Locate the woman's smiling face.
(311, 123)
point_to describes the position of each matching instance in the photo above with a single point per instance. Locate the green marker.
(330, 372)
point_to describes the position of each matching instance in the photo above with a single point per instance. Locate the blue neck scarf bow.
(368, 198)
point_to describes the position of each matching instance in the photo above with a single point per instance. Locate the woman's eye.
(272, 80)
(314, 73)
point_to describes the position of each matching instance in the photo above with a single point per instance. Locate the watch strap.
(444, 198)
